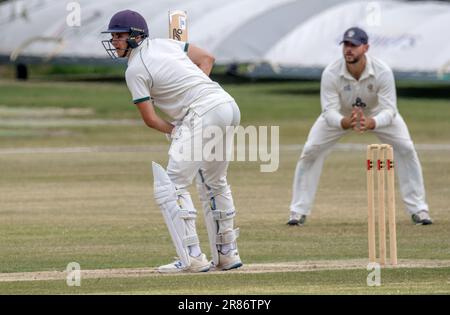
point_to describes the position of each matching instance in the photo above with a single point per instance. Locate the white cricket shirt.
(375, 88)
(160, 70)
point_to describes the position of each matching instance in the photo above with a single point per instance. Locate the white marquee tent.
(292, 38)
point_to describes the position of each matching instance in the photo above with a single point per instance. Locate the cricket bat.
(178, 25)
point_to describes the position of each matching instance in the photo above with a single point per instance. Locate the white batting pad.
(179, 220)
(219, 216)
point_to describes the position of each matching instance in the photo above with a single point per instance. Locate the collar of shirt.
(134, 51)
(368, 70)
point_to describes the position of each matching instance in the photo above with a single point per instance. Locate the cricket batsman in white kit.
(174, 76)
(358, 92)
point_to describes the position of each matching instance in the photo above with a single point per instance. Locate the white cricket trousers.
(319, 144)
(193, 133)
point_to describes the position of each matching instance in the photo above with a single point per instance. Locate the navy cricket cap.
(356, 36)
(127, 21)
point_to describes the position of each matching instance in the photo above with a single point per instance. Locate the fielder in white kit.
(173, 76)
(358, 92)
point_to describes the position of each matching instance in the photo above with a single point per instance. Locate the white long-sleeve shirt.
(160, 70)
(375, 88)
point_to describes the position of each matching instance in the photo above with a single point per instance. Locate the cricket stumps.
(380, 158)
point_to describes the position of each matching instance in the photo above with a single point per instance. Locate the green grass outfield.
(76, 185)
(401, 281)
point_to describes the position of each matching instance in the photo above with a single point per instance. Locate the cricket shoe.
(198, 264)
(228, 261)
(296, 219)
(421, 218)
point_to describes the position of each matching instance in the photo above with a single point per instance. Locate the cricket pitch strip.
(303, 266)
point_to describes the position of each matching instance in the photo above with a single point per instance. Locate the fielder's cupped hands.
(358, 121)
(352, 121)
(355, 118)
(365, 123)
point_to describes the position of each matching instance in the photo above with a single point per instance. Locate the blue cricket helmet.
(126, 21)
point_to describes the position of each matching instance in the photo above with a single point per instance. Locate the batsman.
(173, 76)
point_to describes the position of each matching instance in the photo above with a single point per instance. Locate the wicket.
(385, 164)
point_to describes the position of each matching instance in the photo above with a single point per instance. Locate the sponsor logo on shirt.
(359, 103)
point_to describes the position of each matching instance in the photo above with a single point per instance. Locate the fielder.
(358, 92)
(173, 76)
